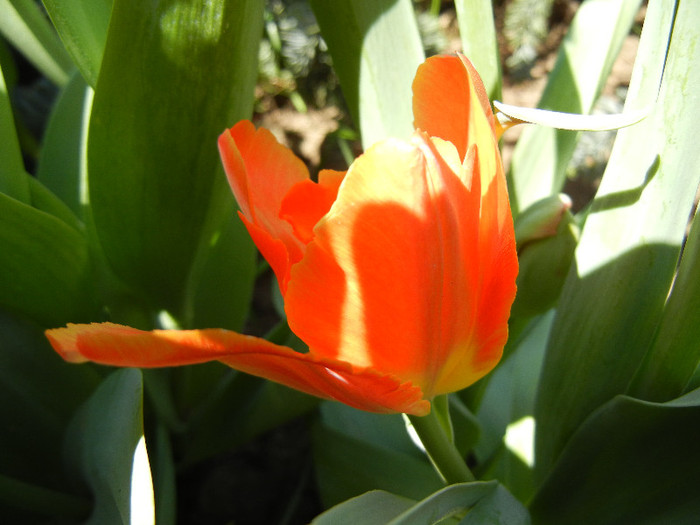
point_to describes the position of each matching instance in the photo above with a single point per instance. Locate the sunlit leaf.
(23, 24)
(675, 354)
(376, 49)
(105, 444)
(82, 25)
(583, 64)
(478, 33)
(616, 289)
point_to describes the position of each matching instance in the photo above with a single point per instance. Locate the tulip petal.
(308, 201)
(119, 345)
(450, 102)
(392, 277)
(261, 172)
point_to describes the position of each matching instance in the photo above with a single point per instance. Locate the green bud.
(541, 219)
(544, 263)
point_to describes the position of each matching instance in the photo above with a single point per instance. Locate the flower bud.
(544, 259)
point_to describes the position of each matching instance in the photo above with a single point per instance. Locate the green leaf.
(28, 29)
(105, 443)
(675, 354)
(479, 43)
(372, 508)
(62, 163)
(616, 290)
(46, 268)
(155, 177)
(40, 393)
(376, 49)
(240, 408)
(224, 278)
(630, 462)
(482, 502)
(355, 452)
(583, 64)
(82, 25)
(13, 179)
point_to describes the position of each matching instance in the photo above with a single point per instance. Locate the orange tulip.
(399, 274)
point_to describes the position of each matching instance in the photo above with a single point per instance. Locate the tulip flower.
(399, 274)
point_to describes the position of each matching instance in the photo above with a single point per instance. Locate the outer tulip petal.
(308, 201)
(450, 102)
(391, 279)
(261, 172)
(113, 344)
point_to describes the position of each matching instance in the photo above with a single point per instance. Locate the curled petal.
(119, 345)
(261, 172)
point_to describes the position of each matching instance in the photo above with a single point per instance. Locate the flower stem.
(442, 452)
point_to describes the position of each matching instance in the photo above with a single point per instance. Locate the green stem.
(442, 452)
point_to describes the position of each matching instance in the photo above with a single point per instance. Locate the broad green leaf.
(44, 200)
(28, 29)
(583, 64)
(630, 462)
(240, 408)
(46, 269)
(13, 179)
(372, 508)
(476, 503)
(40, 393)
(616, 289)
(675, 354)
(355, 452)
(224, 278)
(82, 25)
(105, 444)
(376, 49)
(174, 75)
(62, 160)
(478, 33)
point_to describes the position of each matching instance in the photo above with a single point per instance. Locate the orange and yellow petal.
(119, 345)
(450, 102)
(261, 172)
(391, 279)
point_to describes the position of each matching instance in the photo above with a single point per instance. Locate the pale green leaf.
(82, 25)
(376, 49)
(624, 264)
(583, 64)
(29, 30)
(675, 354)
(479, 43)
(105, 444)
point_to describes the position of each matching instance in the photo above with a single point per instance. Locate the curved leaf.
(82, 25)
(155, 180)
(376, 49)
(630, 462)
